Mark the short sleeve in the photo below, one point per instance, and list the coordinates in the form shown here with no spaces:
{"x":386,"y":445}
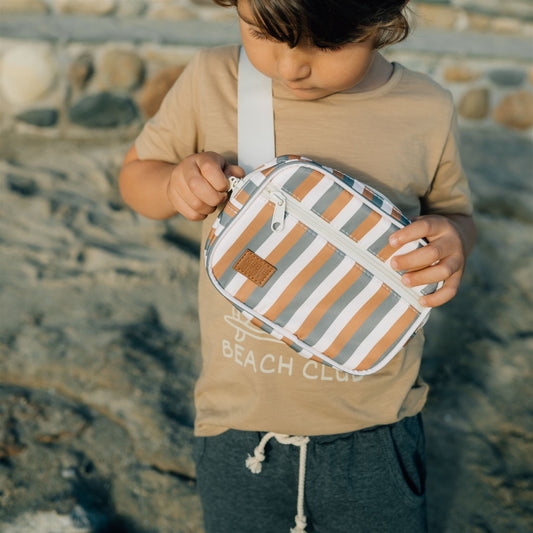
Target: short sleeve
{"x":172,"y":133}
{"x":449,"y":192}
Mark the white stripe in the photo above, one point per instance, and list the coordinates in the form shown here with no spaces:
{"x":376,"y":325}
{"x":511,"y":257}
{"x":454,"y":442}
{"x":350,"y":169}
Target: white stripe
{"x":318,"y":294}
{"x":347,"y":212}
{"x":344,"y":317}
{"x":406,"y":248}
{"x":316,"y":193}
{"x":375,"y":233}
{"x":284,"y":175}
{"x":381,"y":329}
{"x":234,"y":232}
{"x":296,"y":267}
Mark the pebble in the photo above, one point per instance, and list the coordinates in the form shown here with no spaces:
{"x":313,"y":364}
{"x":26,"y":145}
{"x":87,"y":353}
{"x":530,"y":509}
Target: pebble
{"x":120,"y":69}
{"x":103,"y":110}
{"x":80,"y":71}
{"x":460,"y":74}
{"x":437,"y":16}
{"x":156,"y":88}
{"x":85,"y":7}
{"x":23,"y":6}
{"x":516,"y":110}
{"x":507,"y":77}
{"x":43,"y":118}
{"x":27,"y":72}
{"x":171,"y":11}
{"x":474,"y":104}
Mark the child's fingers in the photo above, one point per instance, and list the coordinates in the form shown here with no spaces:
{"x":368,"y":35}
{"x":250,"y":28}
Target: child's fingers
{"x":442,"y":271}
{"x":234,"y":170}
{"x":423,"y":227}
{"x":444,"y":294}
{"x":211,"y":166}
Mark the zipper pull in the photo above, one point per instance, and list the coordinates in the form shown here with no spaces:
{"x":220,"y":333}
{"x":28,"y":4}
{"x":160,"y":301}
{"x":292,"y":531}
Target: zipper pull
{"x":280,"y":207}
{"x":235,"y":184}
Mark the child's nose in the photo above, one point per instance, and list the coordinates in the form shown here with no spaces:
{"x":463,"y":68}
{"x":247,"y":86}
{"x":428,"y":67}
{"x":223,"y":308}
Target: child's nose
{"x":293,"y":64}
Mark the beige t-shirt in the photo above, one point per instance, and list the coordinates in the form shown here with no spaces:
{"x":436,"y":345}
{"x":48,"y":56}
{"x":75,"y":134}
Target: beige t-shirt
{"x":400,"y":139}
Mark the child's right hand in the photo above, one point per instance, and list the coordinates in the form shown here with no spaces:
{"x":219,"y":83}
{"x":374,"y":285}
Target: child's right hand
{"x":199,"y":184}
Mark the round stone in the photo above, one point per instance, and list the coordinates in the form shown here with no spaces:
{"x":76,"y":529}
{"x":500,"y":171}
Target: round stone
{"x":516,"y":110}
{"x":460,"y":74}
{"x":80,"y":71}
{"x":507,"y":77}
{"x":23,"y":6}
{"x":156,"y":88}
{"x":43,"y":118}
{"x":120,"y":69}
{"x":103,"y":110}
{"x":170,"y":12}
{"x":84,"y":7}
{"x":474,"y":104}
{"x":27,"y":72}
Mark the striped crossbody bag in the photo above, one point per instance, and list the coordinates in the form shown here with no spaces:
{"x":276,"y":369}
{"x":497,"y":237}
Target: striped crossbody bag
{"x":302,"y":251}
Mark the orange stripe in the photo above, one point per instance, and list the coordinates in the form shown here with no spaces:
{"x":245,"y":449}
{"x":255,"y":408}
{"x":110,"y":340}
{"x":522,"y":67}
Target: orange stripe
{"x":275,"y":255}
{"x":246,"y":234}
{"x":355,"y":322}
{"x":307,"y":184}
{"x":230,"y":210}
{"x":388,"y":340}
{"x":329,"y":299}
{"x":368,"y":194}
{"x":368,"y":223}
{"x":337,"y":205}
{"x":267,"y":171}
{"x":396,"y":214}
{"x":242,"y":196}
{"x":299,"y":281}
{"x":211,"y":236}
{"x":256,"y":322}
{"x":386,"y":252}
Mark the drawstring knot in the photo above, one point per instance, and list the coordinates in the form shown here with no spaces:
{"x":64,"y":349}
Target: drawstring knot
{"x":254,"y":464}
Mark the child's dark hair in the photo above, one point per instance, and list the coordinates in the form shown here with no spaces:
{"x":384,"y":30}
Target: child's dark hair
{"x":329,"y":23}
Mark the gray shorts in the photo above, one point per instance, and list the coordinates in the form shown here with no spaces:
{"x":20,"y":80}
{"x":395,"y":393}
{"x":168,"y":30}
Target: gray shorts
{"x":367,"y":481}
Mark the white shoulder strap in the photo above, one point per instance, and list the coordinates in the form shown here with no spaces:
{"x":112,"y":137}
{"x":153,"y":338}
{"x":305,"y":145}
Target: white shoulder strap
{"x":256,"y":142}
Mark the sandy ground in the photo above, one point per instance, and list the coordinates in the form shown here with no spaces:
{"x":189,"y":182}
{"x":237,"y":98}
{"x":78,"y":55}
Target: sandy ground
{"x":99,"y":351}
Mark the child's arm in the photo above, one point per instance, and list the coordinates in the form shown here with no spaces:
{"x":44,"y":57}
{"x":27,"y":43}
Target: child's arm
{"x":194,"y":187}
{"x":451,"y":239}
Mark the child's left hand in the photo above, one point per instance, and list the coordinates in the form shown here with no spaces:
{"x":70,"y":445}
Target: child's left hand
{"x":450,"y":240}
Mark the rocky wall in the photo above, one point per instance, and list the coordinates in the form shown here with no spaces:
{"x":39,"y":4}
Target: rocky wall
{"x":94,"y":85}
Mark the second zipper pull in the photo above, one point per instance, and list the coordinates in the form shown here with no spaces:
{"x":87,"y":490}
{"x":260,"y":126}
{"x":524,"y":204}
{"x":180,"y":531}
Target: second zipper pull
{"x":280,"y":207}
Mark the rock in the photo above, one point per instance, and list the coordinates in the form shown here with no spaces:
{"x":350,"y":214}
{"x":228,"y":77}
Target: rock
{"x":43,"y":118}
{"x":120,"y":69}
{"x":170,"y":12}
{"x":506,"y":25}
{"x":23,"y":6}
{"x":438,"y":16}
{"x":507,"y":77}
{"x":27,"y":72}
{"x":80,"y":71}
{"x":155,"y":89}
{"x":474,"y":104}
{"x":460,"y":74}
{"x":130,"y":8}
{"x":103,"y":110}
{"x":83,"y":7}
{"x":515,"y":110}
{"x":479,"y":22}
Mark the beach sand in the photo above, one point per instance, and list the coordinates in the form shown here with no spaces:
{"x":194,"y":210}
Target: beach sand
{"x":99,"y":351}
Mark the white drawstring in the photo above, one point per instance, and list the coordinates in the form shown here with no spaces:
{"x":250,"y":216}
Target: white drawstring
{"x":254,"y":464}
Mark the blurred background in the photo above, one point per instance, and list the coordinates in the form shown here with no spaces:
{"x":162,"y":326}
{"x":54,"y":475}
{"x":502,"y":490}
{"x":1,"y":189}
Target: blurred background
{"x":99,"y":342}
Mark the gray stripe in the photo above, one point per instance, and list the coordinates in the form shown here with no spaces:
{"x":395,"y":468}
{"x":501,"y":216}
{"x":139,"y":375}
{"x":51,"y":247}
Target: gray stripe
{"x":366,"y":328}
{"x":296,"y":179}
{"x":337,"y":307}
{"x":253,"y":244}
{"x":310,"y":286}
{"x":250,"y":187}
{"x":327,"y":199}
{"x":281,"y":267}
{"x":356,"y":220}
{"x":429,"y":289}
{"x":382,"y":241}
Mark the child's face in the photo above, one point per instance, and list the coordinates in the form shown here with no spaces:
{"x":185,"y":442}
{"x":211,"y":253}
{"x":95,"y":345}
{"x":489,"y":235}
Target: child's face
{"x":307,"y":71}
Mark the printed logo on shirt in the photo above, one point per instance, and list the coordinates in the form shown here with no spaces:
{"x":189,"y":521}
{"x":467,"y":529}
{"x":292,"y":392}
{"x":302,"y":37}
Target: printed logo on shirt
{"x":272,"y":363}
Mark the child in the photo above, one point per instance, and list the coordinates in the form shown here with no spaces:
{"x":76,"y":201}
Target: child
{"x":356,"y":463}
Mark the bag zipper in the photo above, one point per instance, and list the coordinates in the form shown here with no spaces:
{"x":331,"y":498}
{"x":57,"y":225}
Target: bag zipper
{"x":284,"y":203}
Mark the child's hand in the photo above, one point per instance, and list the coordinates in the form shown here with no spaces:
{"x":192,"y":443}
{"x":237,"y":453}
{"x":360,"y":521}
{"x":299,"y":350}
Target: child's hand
{"x":199,"y":184}
{"x":443,"y":259}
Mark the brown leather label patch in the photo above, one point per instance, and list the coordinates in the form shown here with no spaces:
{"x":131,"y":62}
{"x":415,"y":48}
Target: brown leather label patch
{"x":254,"y":268}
